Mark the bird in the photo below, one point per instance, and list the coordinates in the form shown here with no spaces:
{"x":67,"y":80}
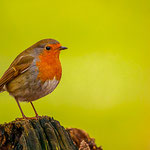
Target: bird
{"x":34,"y":73}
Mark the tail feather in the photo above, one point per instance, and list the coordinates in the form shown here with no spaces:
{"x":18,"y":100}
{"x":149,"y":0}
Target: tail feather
{"x":2,"y":89}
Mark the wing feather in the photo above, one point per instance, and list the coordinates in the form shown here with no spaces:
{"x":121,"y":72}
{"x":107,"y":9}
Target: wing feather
{"x":19,"y":66}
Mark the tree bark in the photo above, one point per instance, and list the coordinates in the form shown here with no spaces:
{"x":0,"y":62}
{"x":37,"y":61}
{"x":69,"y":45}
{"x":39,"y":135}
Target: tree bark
{"x":44,"y":133}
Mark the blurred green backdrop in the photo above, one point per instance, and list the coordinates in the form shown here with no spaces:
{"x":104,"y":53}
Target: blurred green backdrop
{"x":106,"y":70}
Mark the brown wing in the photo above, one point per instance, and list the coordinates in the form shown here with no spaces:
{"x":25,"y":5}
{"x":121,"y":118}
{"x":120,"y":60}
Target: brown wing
{"x":19,"y":65}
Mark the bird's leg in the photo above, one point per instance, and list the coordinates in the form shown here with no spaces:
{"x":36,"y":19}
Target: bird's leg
{"x":24,"y":117}
{"x":37,"y":116}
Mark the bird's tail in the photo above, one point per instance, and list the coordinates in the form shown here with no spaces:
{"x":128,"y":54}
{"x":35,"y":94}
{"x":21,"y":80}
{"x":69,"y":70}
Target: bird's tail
{"x":2,"y":89}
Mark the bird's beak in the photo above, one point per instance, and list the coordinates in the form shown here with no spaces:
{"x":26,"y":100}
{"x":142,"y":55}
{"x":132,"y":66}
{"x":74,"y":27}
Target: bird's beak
{"x":62,"y":48}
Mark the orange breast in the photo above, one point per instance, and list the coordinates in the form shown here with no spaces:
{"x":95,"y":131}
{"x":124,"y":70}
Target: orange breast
{"x":49,"y":66}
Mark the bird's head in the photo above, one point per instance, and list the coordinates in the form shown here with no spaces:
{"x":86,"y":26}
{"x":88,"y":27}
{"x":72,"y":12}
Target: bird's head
{"x":47,"y":54}
{"x":47,"y":46}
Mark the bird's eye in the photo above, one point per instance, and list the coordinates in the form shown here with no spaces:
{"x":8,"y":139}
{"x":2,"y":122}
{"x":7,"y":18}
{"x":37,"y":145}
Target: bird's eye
{"x":48,"y":47}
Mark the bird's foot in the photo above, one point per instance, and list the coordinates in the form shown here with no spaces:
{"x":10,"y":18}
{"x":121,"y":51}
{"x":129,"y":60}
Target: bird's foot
{"x":28,"y":118}
{"x":37,"y":116}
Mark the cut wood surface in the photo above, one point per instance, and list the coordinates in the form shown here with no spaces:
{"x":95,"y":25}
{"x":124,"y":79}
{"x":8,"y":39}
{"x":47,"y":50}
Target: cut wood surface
{"x":44,"y":133}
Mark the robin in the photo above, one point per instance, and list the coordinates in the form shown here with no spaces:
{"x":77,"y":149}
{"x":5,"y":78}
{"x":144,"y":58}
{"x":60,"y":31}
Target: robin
{"x":34,"y":73}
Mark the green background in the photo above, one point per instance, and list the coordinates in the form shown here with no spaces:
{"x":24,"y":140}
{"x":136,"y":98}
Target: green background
{"x":105,"y":87}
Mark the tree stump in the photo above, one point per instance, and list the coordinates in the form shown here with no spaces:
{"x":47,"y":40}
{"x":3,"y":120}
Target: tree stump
{"x":44,"y":133}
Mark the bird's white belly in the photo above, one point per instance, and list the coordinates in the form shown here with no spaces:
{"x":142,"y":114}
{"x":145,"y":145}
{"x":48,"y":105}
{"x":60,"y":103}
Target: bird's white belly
{"x":39,"y":89}
{"x":47,"y":87}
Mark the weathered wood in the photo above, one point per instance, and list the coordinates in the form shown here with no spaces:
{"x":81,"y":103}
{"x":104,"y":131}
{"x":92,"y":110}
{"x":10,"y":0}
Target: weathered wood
{"x":82,"y":140}
{"x":44,"y":133}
